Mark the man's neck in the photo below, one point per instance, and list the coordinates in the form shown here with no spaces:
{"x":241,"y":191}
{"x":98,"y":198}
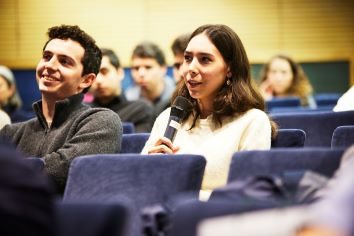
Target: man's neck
{"x":48,"y":108}
{"x":154,"y":93}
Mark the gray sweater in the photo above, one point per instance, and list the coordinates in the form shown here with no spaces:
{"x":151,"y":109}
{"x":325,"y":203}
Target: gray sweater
{"x":76,"y":130}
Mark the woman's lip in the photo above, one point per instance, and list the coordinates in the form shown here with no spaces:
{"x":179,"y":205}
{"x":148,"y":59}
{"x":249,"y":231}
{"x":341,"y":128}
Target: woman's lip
{"x":193,"y":83}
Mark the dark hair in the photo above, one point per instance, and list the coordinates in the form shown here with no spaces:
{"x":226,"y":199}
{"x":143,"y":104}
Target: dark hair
{"x":112,"y":56}
{"x":92,"y":57}
{"x":180,"y":44}
{"x":241,"y":94}
{"x":300,"y":85}
{"x":149,"y":50}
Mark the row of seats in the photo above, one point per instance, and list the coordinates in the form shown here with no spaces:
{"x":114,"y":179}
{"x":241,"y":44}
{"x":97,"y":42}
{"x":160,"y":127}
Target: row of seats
{"x":138,"y":182}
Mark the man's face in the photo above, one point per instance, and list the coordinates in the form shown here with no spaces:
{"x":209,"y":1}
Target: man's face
{"x":147,"y":73}
{"x":107,"y":83}
{"x":59,"y":72}
{"x":177,"y":67}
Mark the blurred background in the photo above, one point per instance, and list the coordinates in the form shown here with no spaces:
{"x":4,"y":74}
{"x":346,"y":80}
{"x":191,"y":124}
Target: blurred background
{"x":319,"y":33}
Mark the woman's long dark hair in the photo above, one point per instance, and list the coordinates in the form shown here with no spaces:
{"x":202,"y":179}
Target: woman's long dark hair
{"x":241,"y":94}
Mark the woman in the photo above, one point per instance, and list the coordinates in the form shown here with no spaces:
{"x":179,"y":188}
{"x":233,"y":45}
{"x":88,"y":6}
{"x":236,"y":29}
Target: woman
{"x":10,"y":100}
{"x":282,"y":77}
{"x":228,"y":112}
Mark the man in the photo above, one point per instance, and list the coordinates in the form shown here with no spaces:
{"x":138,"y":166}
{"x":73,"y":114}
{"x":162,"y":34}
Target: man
{"x":178,"y":47}
{"x":65,"y":128}
{"x":149,"y":74}
{"x":107,"y":92}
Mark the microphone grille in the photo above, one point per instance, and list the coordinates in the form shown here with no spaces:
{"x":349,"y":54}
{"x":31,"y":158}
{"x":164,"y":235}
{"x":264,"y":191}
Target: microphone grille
{"x":180,"y":107}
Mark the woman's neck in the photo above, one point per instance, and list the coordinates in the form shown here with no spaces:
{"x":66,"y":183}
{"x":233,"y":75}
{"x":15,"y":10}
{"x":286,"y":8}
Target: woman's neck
{"x":205,"y":108}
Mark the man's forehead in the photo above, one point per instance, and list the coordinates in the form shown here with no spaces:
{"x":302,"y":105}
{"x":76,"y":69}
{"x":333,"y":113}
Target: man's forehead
{"x":145,"y":61}
{"x":67,"y":47}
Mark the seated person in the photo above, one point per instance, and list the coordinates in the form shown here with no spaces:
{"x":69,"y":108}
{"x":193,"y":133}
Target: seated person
{"x":65,"y":128}
{"x":10,"y":100}
{"x":107,"y":92}
{"x":149,"y":74}
{"x":282,"y":77}
{"x":26,"y":196}
{"x":178,"y":47}
{"x":4,"y":119}
{"x":346,"y":101}
{"x":331,"y":215}
{"x":227,"y":112}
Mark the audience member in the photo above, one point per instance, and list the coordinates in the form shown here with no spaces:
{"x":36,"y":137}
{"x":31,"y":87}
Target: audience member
{"x":228,"y":111}
{"x":149,"y":74}
{"x":108,"y":93}
{"x":178,"y":47}
{"x":283,"y":77}
{"x":346,"y":101}
{"x":331,"y":215}
{"x":10,"y":100}
{"x":65,"y":128}
{"x":26,"y":196}
{"x":4,"y":119}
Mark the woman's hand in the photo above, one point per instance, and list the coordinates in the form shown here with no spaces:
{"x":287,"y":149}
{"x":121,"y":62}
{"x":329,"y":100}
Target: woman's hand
{"x":266,"y":90}
{"x":163,"y":145}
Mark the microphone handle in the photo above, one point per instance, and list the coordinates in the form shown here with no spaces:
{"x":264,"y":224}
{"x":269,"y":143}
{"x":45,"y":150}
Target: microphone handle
{"x":172,"y":127}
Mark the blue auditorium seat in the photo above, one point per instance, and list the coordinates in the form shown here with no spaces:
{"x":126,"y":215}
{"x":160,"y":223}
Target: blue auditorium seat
{"x":134,"y":143}
{"x":289,"y":138}
{"x":343,"y":136}
{"x":318,"y":126}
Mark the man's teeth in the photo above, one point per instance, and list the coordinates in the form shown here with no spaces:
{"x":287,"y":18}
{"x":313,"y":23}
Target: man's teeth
{"x":49,"y":78}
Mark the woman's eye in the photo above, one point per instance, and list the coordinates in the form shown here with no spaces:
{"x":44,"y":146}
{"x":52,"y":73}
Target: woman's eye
{"x":187,"y":58}
{"x":205,"y":59}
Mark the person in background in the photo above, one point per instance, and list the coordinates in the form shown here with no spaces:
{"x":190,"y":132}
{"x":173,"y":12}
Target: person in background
{"x":149,"y":74}
{"x":346,"y":101}
{"x":26,"y":196}
{"x":4,"y":119}
{"x":178,"y":47}
{"x":283,"y":77}
{"x":64,"y":127}
{"x":107,"y":92}
{"x":10,"y":100}
{"x":228,"y":111}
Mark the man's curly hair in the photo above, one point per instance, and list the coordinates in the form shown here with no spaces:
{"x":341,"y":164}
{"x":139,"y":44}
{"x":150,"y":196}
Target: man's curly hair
{"x":92,"y":57}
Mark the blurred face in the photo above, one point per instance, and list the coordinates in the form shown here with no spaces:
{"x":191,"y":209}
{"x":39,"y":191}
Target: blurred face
{"x":6,"y":91}
{"x":177,"y":67}
{"x":147,"y":73}
{"x":280,"y":76}
{"x":59,"y":72}
{"x":204,"y":69}
{"x":107,"y":83}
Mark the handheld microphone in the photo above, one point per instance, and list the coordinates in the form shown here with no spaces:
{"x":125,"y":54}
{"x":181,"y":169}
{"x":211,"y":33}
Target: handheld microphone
{"x":179,"y":110}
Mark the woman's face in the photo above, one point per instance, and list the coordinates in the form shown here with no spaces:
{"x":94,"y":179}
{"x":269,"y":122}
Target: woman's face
{"x":280,"y":76}
{"x":204,"y":69}
{"x":6,"y":91}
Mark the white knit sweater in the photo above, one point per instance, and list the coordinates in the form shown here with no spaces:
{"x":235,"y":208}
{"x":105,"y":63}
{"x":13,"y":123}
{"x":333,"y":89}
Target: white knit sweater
{"x":249,"y":132}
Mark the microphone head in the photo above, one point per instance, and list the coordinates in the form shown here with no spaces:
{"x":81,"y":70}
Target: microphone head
{"x":180,"y":107}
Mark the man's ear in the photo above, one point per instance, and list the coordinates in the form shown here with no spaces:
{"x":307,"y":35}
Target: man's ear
{"x":121,"y":73}
{"x":87,"y":81}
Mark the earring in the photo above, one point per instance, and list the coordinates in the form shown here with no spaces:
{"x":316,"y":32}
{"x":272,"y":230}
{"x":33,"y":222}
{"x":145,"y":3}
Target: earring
{"x":228,"y":82}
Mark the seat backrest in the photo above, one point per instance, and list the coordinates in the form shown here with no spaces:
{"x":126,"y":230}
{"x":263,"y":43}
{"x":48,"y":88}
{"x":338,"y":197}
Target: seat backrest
{"x":35,"y":162}
{"x":90,"y":219}
{"x":128,"y":128}
{"x":283,"y":102}
{"x":318,"y":126}
{"x":326,"y":99}
{"x":289,"y":138}
{"x":145,"y":179}
{"x":134,"y":143}
{"x":343,"y":136}
{"x":276,"y":161}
